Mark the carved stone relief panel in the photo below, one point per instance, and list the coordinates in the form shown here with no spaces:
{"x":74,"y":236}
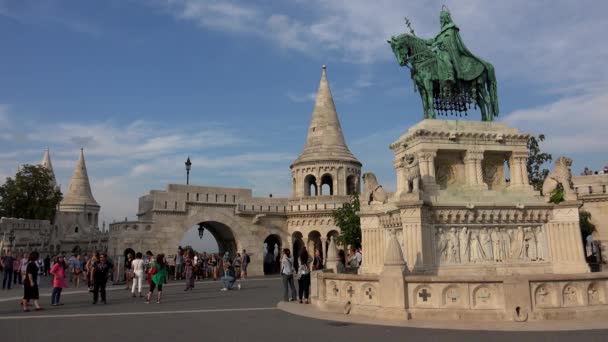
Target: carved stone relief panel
{"x":571,"y":295}
{"x":489,"y":244}
{"x":369,"y":294}
{"x":596,"y":294}
{"x":332,"y":291}
{"x":486,"y":296}
{"x":424,"y":296}
{"x":544,"y":295}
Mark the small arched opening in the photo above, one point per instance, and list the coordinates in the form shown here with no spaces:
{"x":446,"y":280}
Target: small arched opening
{"x":298,"y":245}
{"x":293,"y":187}
{"x":327,"y":184}
{"x":76,"y":229}
{"x":352,"y":185}
{"x":310,"y":186}
{"x":314,"y":244}
{"x":272,"y":254}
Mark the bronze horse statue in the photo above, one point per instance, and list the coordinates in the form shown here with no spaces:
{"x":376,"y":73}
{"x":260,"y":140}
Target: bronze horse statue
{"x":443,"y":95}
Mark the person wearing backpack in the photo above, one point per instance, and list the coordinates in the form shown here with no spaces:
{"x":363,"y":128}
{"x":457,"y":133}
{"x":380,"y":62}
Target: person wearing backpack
{"x":159,"y":274}
{"x":287,"y":272}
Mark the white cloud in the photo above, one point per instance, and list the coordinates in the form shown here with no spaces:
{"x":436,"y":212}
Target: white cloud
{"x":572,"y":124}
{"x":301,"y":98}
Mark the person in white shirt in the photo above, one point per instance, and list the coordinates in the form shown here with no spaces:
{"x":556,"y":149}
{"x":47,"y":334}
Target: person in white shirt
{"x":287,"y":271}
{"x":137,"y":267}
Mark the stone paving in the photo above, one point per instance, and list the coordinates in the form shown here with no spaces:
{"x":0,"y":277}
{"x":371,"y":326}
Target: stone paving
{"x":250,"y":314}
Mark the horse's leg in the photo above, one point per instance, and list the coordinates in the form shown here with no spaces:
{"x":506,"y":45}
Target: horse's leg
{"x":423,"y":98}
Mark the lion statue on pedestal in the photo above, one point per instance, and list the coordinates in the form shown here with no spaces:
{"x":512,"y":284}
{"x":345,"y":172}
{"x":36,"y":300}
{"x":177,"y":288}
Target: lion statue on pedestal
{"x":560,"y":174}
{"x":410,"y":162}
{"x":374,"y":193}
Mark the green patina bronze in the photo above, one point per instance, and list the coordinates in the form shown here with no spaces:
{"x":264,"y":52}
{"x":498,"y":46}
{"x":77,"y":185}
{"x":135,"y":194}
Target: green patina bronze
{"x":448,"y":76}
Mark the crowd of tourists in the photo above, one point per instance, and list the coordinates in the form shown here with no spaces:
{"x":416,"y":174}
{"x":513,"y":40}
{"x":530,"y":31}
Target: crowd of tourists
{"x":299,"y":268}
{"x":27,"y":270}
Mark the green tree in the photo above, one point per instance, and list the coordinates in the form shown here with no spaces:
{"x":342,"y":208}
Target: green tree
{"x":31,"y":194}
{"x":536,"y":160}
{"x":347,"y":219}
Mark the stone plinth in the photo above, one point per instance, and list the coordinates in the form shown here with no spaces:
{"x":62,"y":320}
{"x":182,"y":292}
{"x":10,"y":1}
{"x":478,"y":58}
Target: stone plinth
{"x":466,"y":218}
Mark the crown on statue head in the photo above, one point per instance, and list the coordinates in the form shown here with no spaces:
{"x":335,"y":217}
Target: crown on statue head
{"x":445,"y":12}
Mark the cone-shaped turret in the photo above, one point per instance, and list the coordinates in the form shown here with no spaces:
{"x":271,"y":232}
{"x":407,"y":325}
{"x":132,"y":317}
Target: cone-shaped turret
{"x":46,"y":163}
{"x":325,"y":140}
{"x":79,"y":192}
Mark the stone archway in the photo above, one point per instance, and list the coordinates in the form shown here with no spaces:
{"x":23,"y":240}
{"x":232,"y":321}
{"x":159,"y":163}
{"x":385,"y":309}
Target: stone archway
{"x":223,"y":235}
{"x":272,"y":254}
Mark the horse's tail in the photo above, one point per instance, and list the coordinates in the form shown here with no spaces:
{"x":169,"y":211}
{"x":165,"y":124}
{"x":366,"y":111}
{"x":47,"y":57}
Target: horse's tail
{"x":492,"y":88}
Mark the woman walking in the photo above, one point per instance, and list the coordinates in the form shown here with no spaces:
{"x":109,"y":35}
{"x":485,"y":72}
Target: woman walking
{"x":304,"y":276}
{"x":287,"y":271}
{"x":213,"y":266}
{"x":159,"y":274}
{"x":30,"y":283}
{"x":128,"y":270}
{"x":188,"y":271}
{"x":137,"y":266}
{"x":59,"y":282}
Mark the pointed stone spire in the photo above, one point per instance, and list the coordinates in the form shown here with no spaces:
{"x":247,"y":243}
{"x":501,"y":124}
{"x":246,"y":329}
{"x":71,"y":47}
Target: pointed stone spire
{"x":79,"y":192}
{"x":46,"y":163}
{"x":332,"y":260}
{"x":325,"y":140}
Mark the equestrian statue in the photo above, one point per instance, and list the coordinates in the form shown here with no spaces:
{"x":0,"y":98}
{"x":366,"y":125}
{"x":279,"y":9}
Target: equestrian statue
{"x":449,"y":78}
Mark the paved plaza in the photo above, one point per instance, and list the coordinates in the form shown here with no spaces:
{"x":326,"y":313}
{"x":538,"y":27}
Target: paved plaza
{"x":250,"y":314}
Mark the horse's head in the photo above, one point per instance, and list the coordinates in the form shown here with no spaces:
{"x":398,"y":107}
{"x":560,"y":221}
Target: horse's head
{"x":400,"y":48}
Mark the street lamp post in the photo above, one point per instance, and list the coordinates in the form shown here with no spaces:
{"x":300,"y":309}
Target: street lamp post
{"x":188,"y":167}
{"x":11,"y":239}
{"x":201,"y":230}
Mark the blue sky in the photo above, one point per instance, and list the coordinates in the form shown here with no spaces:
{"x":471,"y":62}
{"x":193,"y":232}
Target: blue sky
{"x":143,"y":84}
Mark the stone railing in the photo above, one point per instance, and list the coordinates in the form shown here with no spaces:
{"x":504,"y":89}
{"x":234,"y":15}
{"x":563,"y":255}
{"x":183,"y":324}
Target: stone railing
{"x":511,"y":298}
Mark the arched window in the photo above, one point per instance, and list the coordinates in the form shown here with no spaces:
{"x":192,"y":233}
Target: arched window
{"x":327,"y":184}
{"x":75,"y":229}
{"x":310,"y":186}
{"x":90,"y":218}
{"x":293,"y":186}
{"x":352,"y":184}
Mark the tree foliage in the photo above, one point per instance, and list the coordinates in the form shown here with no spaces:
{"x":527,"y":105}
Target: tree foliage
{"x":557,"y":195}
{"x":536,"y":160}
{"x":347,"y":219}
{"x":31,"y":194}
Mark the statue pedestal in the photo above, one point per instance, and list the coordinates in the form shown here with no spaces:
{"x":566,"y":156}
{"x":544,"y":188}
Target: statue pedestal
{"x":465,"y":217}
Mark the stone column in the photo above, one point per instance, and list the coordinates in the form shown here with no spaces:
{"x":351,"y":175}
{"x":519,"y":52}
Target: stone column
{"x":392,"y":283}
{"x":473,"y":170}
{"x":564,"y":240}
{"x":401,"y":176}
{"x":332,"y":256}
{"x":426,"y":161}
{"x":518,"y":170}
{"x":324,"y":247}
{"x":372,"y":242}
{"x":319,"y":191}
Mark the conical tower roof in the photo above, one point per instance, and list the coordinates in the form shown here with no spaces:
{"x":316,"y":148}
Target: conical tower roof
{"x":79,"y":191}
{"x":46,"y":163}
{"x":325,"y":140}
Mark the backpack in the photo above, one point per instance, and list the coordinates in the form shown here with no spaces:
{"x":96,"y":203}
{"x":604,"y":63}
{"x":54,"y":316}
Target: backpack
{"x":247,"y":259}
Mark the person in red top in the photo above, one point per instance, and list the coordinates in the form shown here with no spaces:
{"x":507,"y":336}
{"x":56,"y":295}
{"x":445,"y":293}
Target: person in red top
{"x":59,"y":282}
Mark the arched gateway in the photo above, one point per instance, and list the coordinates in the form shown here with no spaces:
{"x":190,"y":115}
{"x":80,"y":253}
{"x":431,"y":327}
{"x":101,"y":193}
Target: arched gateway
{"x":235,"y":218}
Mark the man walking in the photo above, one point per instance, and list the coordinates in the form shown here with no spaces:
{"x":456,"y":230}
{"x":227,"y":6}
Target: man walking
{"x":179,"y":262}
{"x":8,"y":270}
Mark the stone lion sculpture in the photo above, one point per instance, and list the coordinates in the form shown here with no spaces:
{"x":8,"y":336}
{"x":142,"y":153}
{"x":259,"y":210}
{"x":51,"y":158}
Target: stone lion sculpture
{"x":410,"y":162}
{"x":560,"y":174}
{"x":374,"y":193}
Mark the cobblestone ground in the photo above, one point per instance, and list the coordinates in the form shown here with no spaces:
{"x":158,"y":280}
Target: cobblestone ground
{"x":208,"y":314}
